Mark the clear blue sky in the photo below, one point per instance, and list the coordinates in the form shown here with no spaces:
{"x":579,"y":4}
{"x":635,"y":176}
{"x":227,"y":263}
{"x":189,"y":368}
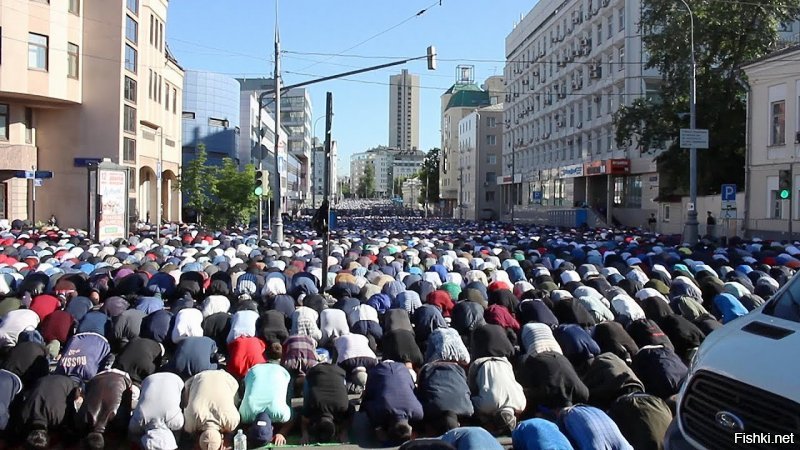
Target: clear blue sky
{"x":236,"y":37}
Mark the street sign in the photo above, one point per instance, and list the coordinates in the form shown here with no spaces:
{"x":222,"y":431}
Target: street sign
{"x":728,"y":211}
{"x":694,"y":138}
{"x":43,"y":174}
{"x":690,"y":206}
{"x":38,"y":182}
{"x":30,"y":174}
{"x":537,"y":197}
{"x":728,"y":192}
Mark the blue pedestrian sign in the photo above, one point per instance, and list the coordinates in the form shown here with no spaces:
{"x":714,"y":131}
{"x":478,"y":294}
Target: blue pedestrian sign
{"x":536,"y":196}
{"x":728,"y":192}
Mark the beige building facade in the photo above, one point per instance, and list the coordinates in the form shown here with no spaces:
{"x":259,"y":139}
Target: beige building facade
{"x":480,"y":157}
{"x":773,"y":143}
{"x":84,"y":80}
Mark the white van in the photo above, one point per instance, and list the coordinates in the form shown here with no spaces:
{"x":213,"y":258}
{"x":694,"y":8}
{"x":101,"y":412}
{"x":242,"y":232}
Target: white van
{"x":743,"y":387}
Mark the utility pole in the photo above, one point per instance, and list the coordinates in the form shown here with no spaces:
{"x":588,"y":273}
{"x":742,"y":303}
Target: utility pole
{"x":327,"y":189}
{"x":277,"y":229}
{"x":513,"y":179}
{"x":691,"y":218}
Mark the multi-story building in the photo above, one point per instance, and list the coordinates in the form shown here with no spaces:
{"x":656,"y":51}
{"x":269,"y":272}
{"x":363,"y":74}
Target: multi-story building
{"x":296,"y":115}
{"x":569,"y":68}
{"x":773,"y":143}
{"x":72,"y":89}
{"x":457,"y":102}
{"x":211,"y":116}
{"x":389,"y":164}
{"x":404,"y":111}
{"x":318,"y":172}
{"x":480,"y":145}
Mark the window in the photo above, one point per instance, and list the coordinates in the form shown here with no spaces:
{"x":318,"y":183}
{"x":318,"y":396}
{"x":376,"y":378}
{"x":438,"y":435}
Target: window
{"x":489,"y":196}
{"x":621,"y":16}
{"x":152,"y":27}
{"x":217,"y":122}
{"x":129,"y":123}
{"x":491,"y":122}
{"x":3,"y":122}
{"x":160,"y":36}
{"x":75,"y":7}
{"x":610,"y":22}
{"x":133,"y":6}
{"x":174,"y":100}
{"x":492,"y":159}
{"x":28,"y":125}
{"x":150,"y":85}
{"x":130,"y":58}
{"x":37,"y":51}
{"x":621,"y":58}
{"x":491,"y":139}
{"x":130,"y":90}
{"x":73,"y":60}
{"x":665,"y":216}
{"x":129,"y":150}
{"x":777,"y":135}
{"x":131,"y":30}
{"x":187,"y":115}
{"x":166,"y":96}
{"x":158,"y":90}
{"x":776,"y":211}
{"x":491,"y":177}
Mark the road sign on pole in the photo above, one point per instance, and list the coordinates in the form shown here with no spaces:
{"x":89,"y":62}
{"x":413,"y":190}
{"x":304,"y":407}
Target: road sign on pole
{"x":728,"y":192}
{"x":694,"y":138}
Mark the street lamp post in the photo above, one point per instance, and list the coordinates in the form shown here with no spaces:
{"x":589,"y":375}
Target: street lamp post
{"x":691,"y":218}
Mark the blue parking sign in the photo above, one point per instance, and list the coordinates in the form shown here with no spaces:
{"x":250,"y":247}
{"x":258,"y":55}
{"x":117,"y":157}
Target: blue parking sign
{"x":728,"y":192}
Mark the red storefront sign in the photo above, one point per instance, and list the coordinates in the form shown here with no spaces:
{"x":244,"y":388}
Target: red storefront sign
{"x":607,"y":167}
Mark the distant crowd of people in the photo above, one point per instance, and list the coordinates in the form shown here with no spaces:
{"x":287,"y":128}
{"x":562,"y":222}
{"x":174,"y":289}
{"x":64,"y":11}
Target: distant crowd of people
{"x":437,"y":333}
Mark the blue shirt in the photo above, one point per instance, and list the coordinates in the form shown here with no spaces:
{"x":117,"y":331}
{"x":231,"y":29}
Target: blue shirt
{"x":389,"y":395}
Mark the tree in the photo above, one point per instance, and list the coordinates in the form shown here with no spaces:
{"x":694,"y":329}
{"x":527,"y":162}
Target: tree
{"x":234,"y":198}
{"x":429,"y":176}
{"x":366,"y":185}
{"x":727,"y":35}
{"x":196,"y":182}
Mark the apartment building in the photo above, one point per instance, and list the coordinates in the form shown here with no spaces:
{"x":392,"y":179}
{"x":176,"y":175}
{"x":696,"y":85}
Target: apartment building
{"x":480,"y":145}
{"x":773,"y":143}
{"x":389,"y":164}
{"x":72,"y":85}
{"x":318,"y":171}
{"x":211,"y":116}
{"x":460,"y":100}
{"x":296,"y":113}
{"x":569,"y":67}
{"x":404,"y":111}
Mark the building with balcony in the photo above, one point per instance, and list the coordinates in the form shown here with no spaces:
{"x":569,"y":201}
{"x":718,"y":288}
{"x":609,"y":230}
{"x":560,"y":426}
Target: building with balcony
{"x":773,"y":143}
{"x":463,"y":97}
{"x":74,"y":92}
{"x":404,"y":111}
{"x":480,"y":145}
{"x":296,"y":113}
{"x":568,"y":70}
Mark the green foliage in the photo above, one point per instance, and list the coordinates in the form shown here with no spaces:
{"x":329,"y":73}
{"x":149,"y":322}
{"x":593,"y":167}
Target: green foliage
{"x":727,"y":35}
{"x":234,"y":200}
{"x":196,"y":182}
{"x":366,"y":185}
{"x":429,"y":176}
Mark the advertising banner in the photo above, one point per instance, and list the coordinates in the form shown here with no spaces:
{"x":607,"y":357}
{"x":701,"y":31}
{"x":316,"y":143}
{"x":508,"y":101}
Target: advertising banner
{"x":112,"y":189}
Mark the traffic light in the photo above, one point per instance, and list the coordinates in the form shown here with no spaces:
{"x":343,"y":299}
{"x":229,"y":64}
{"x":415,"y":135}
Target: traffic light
{"x":431,"y":58}
{"x":785,"y":184}
{"x":262,"y":179}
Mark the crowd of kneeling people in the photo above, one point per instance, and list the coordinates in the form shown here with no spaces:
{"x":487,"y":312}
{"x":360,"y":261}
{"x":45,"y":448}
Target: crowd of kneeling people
{"x":158,"y":343}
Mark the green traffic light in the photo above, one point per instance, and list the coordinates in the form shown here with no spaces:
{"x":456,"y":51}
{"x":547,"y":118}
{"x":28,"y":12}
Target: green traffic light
{"x":259,"y":191}
{"x":784,"y":194}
